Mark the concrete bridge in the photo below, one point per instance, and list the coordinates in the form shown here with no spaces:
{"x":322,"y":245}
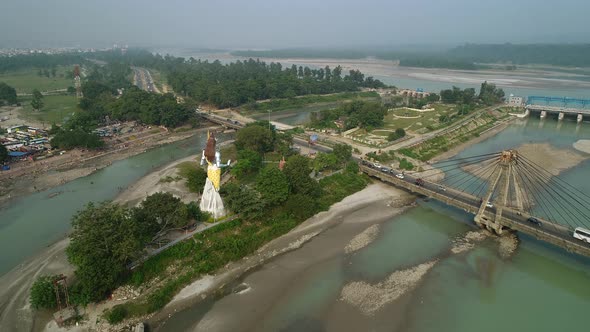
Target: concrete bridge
{"x":510,"y":219}
{"x":558,"y":105}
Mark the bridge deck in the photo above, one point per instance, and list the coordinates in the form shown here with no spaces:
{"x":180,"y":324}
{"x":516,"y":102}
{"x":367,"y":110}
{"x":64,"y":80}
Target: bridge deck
{"x":553,"y":233}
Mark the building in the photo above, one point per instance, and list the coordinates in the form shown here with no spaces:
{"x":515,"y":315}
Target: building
{"x":515,"y":101}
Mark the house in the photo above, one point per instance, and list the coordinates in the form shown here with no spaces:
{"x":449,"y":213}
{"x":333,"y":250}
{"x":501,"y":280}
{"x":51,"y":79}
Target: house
{"x":515,"y":101}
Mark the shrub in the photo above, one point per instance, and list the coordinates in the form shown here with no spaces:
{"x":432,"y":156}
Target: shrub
{"x":43,"y":293}
{"x":116,"y":314}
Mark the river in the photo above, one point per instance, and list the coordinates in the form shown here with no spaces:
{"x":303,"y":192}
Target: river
{"x":538,"y":288}
{"x":33,"y":222}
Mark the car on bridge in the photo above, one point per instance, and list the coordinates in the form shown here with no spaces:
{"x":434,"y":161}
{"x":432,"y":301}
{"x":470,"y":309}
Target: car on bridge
{"x":582,"y":234}
{"x":419,"y":182}
{"x":534,"y":221}
{"x":489,"y":204}
{"x":399,"y":176}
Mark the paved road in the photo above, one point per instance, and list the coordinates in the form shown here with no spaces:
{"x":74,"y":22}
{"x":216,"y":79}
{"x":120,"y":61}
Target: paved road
{"x":143,"y":80}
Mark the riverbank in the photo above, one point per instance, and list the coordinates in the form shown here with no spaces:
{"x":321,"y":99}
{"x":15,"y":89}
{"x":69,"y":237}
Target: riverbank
{"x":489,"y":133}
{"x":76,"y":164}
{"x":341,"y":223}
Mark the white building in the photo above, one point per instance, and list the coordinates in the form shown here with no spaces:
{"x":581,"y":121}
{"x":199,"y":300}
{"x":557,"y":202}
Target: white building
{"x":515,"y":101}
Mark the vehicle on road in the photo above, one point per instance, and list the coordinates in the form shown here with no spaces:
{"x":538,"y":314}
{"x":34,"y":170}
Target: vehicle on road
{"x":442,"y":188}
{"x":377,"y":166}
{"x":399,"y":176}
{"x":489,"y":204}
{"x":582,"y":234}
{"x":385,"y":169}
{"x":534,"y":221}
{"x":419,"y":182}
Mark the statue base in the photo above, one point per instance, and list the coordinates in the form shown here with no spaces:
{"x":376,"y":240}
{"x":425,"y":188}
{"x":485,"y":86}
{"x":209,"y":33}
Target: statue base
{"x":211,"y":201}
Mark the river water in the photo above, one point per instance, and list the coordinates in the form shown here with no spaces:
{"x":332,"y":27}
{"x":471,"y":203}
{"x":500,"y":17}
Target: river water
{"x":33,"y":222}
{"x":539,"y":287}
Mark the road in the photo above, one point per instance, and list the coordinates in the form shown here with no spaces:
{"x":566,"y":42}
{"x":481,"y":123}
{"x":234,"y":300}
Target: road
{"x":143,"y":80}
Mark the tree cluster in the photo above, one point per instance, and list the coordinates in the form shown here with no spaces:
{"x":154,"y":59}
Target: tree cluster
{"x":458,"y":96}
{"x":75,"y":138}
{"x":489,"y":94}
{"x":107,"y":237}
{"x":244,"y":81}
{"x":356,"y":114}
{"x":37,"y":101}
{"x":3,"y":153}
{"x":7,"y":94}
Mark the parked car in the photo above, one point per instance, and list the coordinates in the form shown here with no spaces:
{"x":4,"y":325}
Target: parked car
{"x":399,"y":176}
{"x":385,"y":169}
{"x":442,"y":188}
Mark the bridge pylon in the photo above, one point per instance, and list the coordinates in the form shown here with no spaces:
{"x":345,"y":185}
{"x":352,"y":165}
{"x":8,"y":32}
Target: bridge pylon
{"x":502,"y":180}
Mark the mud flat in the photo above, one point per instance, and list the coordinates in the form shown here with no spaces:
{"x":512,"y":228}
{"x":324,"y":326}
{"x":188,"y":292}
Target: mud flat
{"x":582,"y":145}
{"x":285,"y":262}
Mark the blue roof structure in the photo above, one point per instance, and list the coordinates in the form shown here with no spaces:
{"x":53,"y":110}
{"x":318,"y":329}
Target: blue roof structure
{"x":17,"y":154}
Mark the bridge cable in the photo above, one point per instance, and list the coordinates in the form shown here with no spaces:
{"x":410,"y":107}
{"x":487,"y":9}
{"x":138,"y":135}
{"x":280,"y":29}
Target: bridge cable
{"x":552,"y":178}
{"x":542,"y":200}
{"x":528,"y":188}
{"x":557,"y":178}
{"x":466,"y":158}
{"x":566,"y":203}
{"x":471,"y":177}
{"x":455,"y":167}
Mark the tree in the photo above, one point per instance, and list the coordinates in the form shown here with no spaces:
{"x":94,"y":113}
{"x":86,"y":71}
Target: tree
{"x":103,"y":241}
{"x":297,"y":170}
{"x":243,"y":200}
{"x":489,"y":94}
{"x":43,"y":293}
{"x":273,"y":186}
{"x":37,"y":101}
{"x":3,"y":153}
{"x":160,"y":212}
{"x":195,"y":179}
{"x":325,"y":161}
{"x":397,"y":134}
{"x":248,"y":162}
{"x":256,"y":138}
{"x":7,"y":94}
{"x":343,"y":152}
{"x":301,"y":206}
{"x":432,"y":97}
{"x":68,"y":139}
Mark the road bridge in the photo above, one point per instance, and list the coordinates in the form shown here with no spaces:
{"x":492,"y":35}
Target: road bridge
{"x":499,"y":214}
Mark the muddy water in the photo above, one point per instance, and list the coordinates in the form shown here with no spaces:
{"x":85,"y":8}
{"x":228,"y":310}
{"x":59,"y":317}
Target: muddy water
{"x":538,"y":287}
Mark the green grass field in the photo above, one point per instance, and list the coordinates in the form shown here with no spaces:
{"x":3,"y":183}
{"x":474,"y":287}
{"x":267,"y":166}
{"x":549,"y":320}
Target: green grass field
{"x":26,"y":80}
{"x":56,"y":108}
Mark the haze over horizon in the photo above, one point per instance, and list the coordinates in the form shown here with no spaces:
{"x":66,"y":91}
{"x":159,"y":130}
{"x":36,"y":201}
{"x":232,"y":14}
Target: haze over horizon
{"x":283,"y":24}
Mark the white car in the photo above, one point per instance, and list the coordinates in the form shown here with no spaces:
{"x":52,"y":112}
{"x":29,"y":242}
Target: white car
{"x":489,"y":204}
{"x":399,"y":176}
{"x":582,"y":234}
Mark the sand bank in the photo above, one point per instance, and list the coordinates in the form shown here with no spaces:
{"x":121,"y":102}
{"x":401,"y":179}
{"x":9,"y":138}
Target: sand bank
{"x":582,"y":145}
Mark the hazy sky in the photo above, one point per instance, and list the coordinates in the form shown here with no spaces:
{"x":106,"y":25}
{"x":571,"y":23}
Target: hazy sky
{"x":281,"y":23}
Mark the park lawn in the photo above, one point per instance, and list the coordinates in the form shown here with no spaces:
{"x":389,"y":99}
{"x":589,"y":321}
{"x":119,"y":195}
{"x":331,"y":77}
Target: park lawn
{"x":26,"y":80}
{"x":56,"y":108}
{"x":303,"y":103}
